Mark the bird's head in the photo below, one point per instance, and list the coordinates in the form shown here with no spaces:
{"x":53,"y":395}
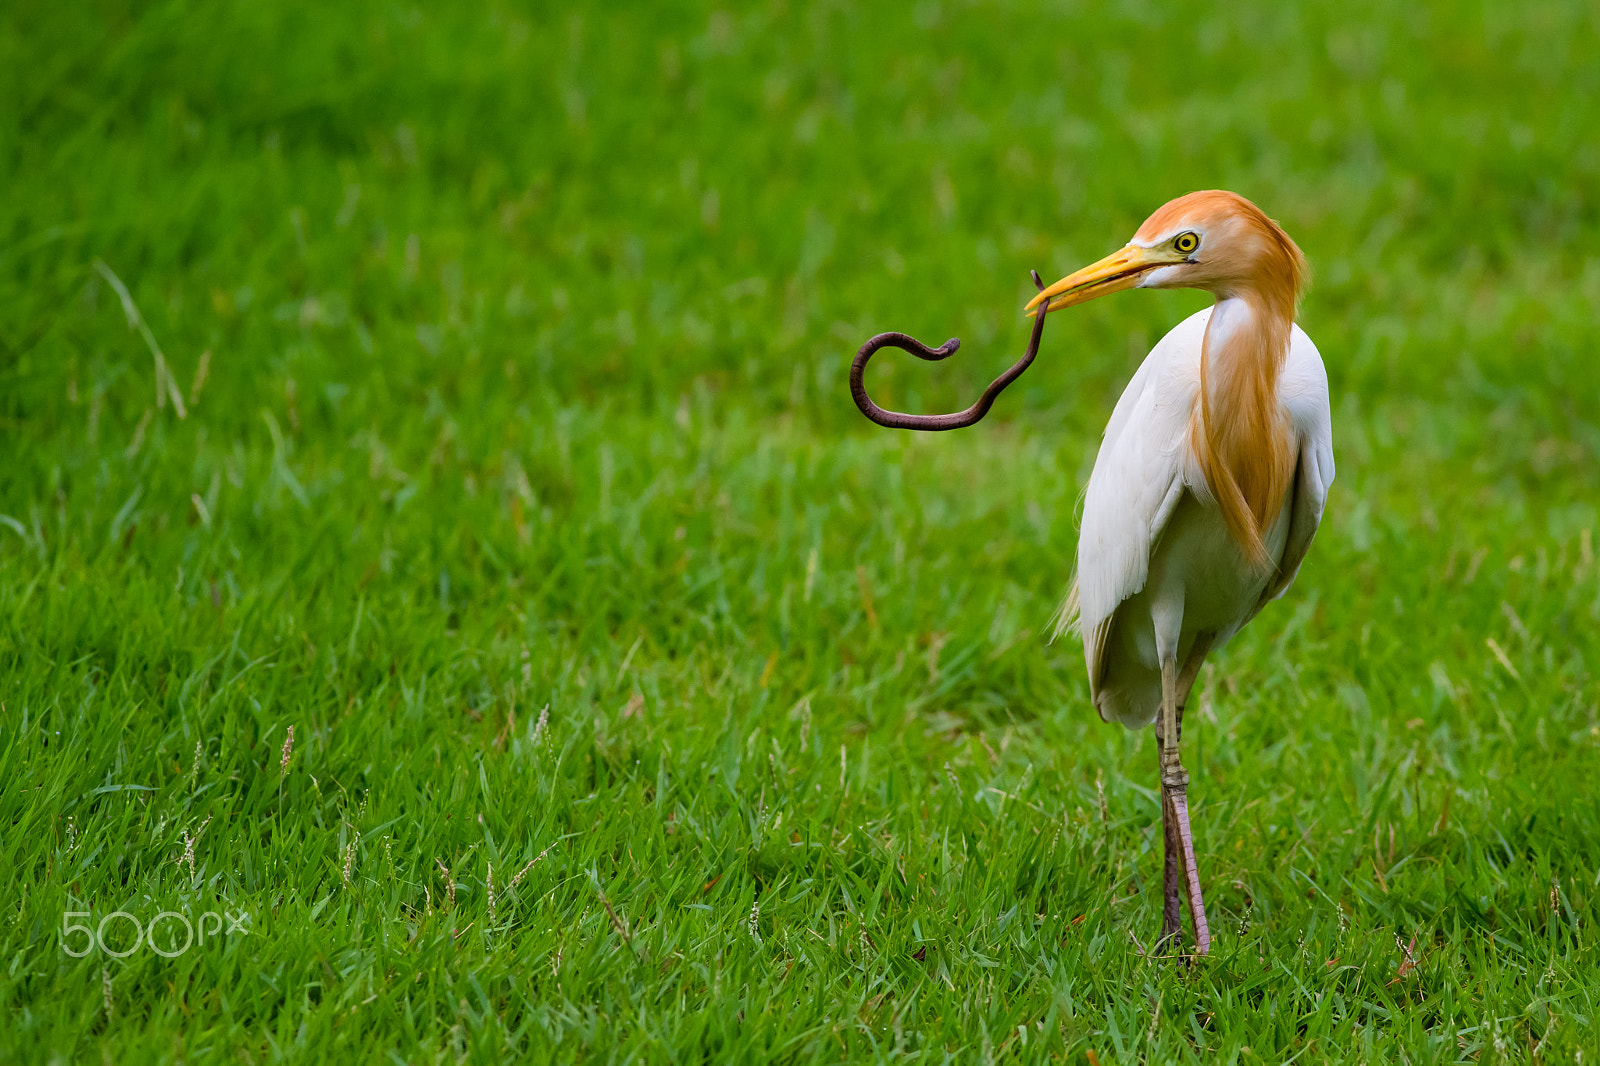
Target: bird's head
{"x":1212,"y":240}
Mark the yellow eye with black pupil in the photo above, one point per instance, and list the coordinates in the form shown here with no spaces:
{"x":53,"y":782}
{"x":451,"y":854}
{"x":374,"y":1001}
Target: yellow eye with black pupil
{"x":1185,"y":242}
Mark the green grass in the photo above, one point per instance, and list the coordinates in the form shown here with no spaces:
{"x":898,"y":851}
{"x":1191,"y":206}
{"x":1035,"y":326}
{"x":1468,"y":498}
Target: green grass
{"x":525,"y":336}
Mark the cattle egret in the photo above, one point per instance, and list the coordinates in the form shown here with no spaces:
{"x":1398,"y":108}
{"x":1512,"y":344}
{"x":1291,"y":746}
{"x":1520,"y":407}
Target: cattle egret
{"x":1208,"y":486}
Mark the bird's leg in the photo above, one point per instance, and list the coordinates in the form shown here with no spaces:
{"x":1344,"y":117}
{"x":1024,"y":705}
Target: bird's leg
{"x":1172,"y":868}
{"x":1179,"y":841}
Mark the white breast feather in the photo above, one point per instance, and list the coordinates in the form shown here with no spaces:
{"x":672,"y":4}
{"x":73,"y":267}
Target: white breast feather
{"x":1144,"y":464}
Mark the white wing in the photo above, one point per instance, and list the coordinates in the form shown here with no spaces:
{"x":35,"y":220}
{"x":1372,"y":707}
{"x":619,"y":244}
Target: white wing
{"x":1304,"y":391}
{"x":1138,"y":478}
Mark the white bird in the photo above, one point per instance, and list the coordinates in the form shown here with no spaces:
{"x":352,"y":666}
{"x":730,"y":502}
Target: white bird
{"x":1208,"y":486}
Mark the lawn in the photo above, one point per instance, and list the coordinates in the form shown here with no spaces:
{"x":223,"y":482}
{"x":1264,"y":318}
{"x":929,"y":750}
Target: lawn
{"x":440,"y":561}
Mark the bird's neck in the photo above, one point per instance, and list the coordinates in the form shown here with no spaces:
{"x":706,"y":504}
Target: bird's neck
{"x":1240,"y":432}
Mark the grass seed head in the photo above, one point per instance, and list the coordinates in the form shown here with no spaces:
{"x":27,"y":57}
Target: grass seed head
{"x":350,"y":857}
{"x":616,"y":922}
{"x":188,"y":846}
{"x":449,"y":884}
{"x":542,"y":727}
{"x":288,"y":753}
{"x":515,"y":881}
{"x":803,"y":711}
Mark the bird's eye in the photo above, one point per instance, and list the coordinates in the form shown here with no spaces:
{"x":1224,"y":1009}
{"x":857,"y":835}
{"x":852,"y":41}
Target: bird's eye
{"x":1186,"y":242}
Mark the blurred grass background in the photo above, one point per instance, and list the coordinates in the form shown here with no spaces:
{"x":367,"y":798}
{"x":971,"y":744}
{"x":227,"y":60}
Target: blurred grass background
{"x":511,"y":348}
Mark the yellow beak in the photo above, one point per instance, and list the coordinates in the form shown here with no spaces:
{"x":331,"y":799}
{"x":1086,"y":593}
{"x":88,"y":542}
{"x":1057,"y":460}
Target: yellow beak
{"x":1122,"y":269}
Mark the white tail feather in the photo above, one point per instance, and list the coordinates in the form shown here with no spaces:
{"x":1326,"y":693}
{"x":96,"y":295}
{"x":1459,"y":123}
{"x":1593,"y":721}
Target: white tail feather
{"x":1067,"y":617}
